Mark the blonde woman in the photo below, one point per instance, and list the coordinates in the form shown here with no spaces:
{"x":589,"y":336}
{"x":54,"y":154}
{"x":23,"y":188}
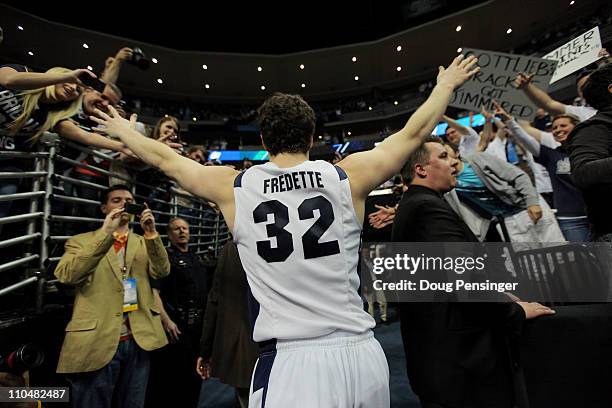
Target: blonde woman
{"x":32,"y":103}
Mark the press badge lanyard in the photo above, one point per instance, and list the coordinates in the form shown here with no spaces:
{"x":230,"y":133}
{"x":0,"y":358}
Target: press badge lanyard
{"x":130,"y":294}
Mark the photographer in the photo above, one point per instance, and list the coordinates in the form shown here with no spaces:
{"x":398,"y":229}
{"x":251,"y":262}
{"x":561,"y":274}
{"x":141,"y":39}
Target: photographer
{"x":115,"y":321}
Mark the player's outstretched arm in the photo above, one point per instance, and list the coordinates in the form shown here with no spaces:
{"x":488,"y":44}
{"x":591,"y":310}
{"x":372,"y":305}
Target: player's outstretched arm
{"x":367,"y":170}
{"x":213,"y":183}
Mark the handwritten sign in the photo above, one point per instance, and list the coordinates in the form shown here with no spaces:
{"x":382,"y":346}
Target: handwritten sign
{"x":495,"y":81}
{"x":575,"y":54}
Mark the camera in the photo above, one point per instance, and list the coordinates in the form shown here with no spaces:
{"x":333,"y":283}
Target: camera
{"x":139,"y":59}
{"x":135,"y":209}
{"x":94,"y":83}
{"x":25,"y":358}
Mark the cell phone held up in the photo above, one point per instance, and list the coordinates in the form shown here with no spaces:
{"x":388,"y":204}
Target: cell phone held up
{"x":94,"y":83}
{"x":135,"y":209}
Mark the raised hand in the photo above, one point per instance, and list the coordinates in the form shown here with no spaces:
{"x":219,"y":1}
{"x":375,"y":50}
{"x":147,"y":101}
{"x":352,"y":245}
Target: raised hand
{"x":522,"y":80}
{"x":487,"y":115}
{"x":112,"y":220}
{"x":458,"y":72}
{"x":505,"y":116}
{"x":124,"y":54}
{"x":147,"y":222}
{"x":74,"y":77}
{"x":111,"y":123}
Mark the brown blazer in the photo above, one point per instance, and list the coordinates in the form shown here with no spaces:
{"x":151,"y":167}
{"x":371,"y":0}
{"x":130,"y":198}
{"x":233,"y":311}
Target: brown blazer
{"x":226,"y":335}
{"x":91,"y":264}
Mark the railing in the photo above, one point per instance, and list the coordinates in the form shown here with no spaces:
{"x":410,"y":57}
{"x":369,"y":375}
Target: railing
{"x":53,"y":212}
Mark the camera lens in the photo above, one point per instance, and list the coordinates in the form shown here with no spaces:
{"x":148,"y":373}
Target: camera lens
{"x":23,"y":359}
{"x":139,"y":59}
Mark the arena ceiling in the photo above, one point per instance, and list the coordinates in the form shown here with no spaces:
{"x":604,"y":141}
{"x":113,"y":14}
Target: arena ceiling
{"x":343,"y":49}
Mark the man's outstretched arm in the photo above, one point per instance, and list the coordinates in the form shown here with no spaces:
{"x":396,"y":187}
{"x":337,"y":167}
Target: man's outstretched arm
{"x":367,"y":170}
{"x":538,"y":96}
{"x":213,"y":183}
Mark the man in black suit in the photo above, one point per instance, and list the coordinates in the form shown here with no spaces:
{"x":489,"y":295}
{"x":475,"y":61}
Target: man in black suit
{"x":457,"y":354}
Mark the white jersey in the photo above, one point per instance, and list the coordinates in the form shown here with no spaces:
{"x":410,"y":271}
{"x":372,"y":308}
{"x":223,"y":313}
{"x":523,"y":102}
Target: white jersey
{"x":298,"y":237}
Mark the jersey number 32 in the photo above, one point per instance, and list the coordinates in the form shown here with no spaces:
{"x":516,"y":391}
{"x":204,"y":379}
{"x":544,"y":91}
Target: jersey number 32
{"x":284,"y":240}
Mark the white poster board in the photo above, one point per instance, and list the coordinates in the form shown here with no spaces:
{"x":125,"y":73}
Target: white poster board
{"x":576,"y":54}
{"x":495,"y":81}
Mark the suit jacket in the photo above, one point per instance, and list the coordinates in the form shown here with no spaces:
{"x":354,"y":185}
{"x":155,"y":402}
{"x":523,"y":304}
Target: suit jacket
{"x":457,"y":354}
{"x":227,"y":336}
{"x":92,"y":266}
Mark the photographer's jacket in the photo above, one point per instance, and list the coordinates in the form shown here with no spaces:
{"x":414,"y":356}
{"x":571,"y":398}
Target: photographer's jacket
{"x":91,"y":264}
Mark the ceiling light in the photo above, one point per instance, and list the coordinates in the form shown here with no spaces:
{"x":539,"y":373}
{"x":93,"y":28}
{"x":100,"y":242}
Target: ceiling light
{"x":395,"y":103}
{"x":301,"y":66}
{"x":204,"y":66}
{"x":398,"y":69}
{"x":89,"y":67}
{"x":508,"y":31}
{"x":458,"y":28}
{"x":20,"y":28}
{"x":303,"y":85}
{"x":259,"y":69}
{"x":85,"y":45}
{"x":263,"y":87}
{"x":320,"y":137}
{"x":195,"y":119}
{"x":30,"y":53}
{"x":459,"y":49}
{"x":354,"y":59}
{"x":369,"y":108}
{"x":154,"y":60}
{"x":159,"y":81}
{"x":399,"y":48}
{"x":207,"y":86}
{"x":356,"y":78}
{"x":571,"y":4}
{"x":349,"y":133}
{"x":166,"y":115}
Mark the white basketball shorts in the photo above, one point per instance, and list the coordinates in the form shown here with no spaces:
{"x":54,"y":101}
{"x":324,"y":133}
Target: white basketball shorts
{"x":339,"y":370}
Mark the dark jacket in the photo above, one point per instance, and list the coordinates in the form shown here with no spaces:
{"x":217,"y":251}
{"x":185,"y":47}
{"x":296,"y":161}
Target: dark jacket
{"x":226,"y":336}
{"x":457,"y":354}
{"x":590,"y":148}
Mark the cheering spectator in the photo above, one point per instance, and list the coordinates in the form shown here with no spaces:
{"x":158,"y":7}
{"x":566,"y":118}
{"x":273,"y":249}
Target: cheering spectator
{"x":32,"y":103}
{"x":544,"y":101}
{"x":590,"y":147}
{"x":488,"y":187}
{"x":550,"y":150}
{"x":464,"y":137}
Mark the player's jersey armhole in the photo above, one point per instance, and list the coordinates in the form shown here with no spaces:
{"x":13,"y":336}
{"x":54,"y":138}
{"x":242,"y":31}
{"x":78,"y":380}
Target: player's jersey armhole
{"x":343,"y":176}
{"x":237,"y":185}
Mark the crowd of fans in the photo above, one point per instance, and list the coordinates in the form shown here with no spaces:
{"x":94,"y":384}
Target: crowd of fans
{"x":511,"y":172}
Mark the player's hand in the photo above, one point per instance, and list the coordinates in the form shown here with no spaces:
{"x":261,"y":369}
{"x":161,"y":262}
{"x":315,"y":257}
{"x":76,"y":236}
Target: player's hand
{"x":459,"y":71}
{"x":111,"y":123}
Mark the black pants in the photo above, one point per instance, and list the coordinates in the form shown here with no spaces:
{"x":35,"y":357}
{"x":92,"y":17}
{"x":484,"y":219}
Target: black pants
{"x":173,"y":381}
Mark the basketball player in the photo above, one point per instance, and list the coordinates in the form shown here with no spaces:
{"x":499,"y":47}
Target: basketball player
{"x":297,"y":224}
